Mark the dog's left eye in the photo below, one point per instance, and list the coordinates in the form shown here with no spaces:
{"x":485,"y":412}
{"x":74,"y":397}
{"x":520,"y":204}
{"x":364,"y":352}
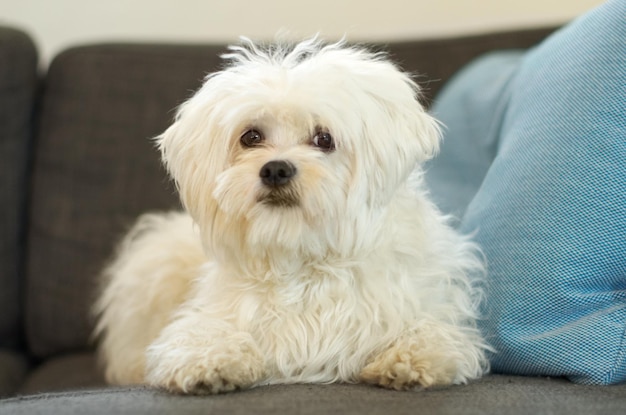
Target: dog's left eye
{"x":251,"y":138}
{"x":324,"y":141}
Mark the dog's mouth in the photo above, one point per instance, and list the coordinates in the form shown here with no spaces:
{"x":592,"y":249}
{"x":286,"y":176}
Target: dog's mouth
{"x":281,"y":198}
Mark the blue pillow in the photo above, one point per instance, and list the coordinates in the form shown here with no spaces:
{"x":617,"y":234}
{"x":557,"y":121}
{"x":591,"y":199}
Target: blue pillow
{"x":537,"y":143}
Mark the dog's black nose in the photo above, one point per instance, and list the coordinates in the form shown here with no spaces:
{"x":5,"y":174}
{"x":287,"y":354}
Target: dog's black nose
{"x":277,"y":173}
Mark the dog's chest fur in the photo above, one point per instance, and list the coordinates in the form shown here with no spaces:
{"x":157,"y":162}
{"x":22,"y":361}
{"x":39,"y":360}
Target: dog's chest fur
{"x":321,"y":323}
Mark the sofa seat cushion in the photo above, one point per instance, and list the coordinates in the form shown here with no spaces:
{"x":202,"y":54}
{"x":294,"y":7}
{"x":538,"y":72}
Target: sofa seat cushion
{"x":491,"y":395}
{"x":547,"y":130}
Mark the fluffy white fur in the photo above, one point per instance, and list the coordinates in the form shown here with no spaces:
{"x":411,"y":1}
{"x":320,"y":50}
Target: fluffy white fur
{"x":358,"y":278}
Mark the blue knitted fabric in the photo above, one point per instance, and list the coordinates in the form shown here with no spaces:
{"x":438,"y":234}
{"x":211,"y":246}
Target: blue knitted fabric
{"x":547,"y":184}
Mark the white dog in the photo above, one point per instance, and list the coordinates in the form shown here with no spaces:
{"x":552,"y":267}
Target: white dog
{"x":310,"y":251}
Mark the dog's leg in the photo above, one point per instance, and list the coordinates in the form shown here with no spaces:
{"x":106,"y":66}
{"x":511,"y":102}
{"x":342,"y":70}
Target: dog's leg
{"x":198,"y":354}
{"x":430,"y":354}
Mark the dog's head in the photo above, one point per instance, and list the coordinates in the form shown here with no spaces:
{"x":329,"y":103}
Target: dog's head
{"x":296,"y":146}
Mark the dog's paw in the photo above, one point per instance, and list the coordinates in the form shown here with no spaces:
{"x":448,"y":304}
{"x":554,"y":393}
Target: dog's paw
{"x":406,"y":366}
{"x":191,"y":368}
{"x":431,"y":354}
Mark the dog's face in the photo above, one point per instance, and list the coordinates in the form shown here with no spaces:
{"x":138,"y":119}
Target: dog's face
{"x":297,"y":148}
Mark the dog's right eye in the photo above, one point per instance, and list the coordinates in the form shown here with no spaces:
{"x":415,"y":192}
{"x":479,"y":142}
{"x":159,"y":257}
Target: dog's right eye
{"x":251,"y":138}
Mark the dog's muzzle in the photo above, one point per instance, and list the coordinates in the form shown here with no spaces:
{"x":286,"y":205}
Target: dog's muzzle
{"x":276,"y":176}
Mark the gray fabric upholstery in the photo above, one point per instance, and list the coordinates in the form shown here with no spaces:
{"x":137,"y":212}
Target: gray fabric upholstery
{"x":95,"y":171}
{"x":18,"y":81}
{"x":492,"y":395}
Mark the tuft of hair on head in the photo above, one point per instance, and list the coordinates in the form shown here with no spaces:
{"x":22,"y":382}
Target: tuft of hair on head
{"x":280,"y":51}
{"x":288,"y":53}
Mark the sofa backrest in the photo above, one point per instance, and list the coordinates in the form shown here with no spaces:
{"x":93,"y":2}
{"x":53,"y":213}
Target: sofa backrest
{"x":18,"y":83}
{"x":95,"y":168}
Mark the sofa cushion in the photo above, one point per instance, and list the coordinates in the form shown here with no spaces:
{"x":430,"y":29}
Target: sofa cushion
{"x":95,"y":170}
{"x":18,"y":82}
{"x":492,"y":395}
{"x":550,"y":213}
{"x":471,"y":109}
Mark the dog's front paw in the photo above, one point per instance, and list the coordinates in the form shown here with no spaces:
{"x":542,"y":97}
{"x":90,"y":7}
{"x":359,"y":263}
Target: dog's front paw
{"x":432,"y":354}
{"x":403,"y":366}
{"x":183,"y":366}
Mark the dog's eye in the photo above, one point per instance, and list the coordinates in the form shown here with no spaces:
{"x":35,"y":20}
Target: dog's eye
{"x":251,"y":138}
{"x":324,"y":141}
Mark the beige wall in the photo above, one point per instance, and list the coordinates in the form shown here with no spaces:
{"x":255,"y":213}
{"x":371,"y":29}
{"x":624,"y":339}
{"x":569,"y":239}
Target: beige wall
{"x":57,"y":24}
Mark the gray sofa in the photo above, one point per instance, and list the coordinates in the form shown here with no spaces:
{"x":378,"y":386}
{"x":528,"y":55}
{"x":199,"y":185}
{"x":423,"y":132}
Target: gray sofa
{"x":76,"y":167}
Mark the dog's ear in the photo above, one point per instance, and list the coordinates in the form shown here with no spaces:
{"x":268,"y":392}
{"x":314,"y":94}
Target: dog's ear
{"x":413,"y":122}
{"x":402,"y":134}
{"x":398,"y":97}
{"x":194,"y":151}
